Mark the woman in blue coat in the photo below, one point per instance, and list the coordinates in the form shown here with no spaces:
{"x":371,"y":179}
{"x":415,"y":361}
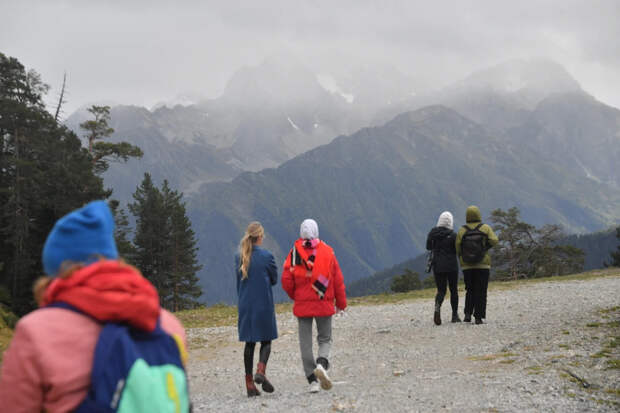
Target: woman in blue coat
{"x":256,"y":274}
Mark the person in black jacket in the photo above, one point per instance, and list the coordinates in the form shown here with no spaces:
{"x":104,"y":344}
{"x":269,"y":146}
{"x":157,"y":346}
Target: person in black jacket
{"x":441,"y":241}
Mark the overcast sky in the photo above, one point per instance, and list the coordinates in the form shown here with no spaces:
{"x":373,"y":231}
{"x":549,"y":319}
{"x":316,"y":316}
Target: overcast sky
{"x":141,"y":52}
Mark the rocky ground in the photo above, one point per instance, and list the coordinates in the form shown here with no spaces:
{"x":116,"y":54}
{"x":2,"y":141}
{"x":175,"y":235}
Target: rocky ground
{"x":549,"y":346}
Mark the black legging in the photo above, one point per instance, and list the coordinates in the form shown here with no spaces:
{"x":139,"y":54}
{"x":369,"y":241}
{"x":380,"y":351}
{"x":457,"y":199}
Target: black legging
{"x":248,"y":354}
{"x":450,"y":278}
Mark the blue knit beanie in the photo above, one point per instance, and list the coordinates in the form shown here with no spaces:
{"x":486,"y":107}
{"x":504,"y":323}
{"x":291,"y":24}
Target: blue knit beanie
{"x":82,"y":236}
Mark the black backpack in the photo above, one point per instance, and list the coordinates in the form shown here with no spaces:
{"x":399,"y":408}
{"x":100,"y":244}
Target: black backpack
{"x":473,"y":245}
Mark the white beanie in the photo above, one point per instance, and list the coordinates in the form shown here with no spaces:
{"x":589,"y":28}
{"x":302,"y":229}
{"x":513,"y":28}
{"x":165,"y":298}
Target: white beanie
{"x":445,"y":220}
{"x":309,"y":229}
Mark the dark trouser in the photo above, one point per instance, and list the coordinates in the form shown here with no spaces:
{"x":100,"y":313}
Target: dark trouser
{"x":451,"y":278}
{"x":476,"y":284}
{"x":248,"y":354}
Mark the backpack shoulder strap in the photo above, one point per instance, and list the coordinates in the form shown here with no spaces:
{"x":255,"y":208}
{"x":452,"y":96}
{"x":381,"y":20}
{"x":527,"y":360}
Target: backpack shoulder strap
{"x":478,"y":226}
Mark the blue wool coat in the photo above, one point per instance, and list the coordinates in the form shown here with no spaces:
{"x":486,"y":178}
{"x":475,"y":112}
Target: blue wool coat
{"x":257,"y":317}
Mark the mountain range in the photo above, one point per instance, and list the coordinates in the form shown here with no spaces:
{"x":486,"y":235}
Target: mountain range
{"x":519,"y":134}
{"x":267,"y":114}
{"x":376,"y":193}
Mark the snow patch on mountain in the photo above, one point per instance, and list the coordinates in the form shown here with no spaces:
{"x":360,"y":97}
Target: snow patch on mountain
{"x":328,"y":82}
{"x":292,"y":123}
{"x":185,"y":99}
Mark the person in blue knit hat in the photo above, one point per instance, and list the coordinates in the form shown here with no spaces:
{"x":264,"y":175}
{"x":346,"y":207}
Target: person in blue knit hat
{"x":49,"y":364}
{"x":82,"y":236}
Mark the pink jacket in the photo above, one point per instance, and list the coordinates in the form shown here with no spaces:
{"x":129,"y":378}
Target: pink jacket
{"x":48,"y":363}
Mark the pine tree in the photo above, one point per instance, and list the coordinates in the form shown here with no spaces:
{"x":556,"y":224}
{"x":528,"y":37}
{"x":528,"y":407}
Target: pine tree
{"x":102,"y":153}
{"x":514,"y":235}
{"x":122,"y":231}
{"x":165,"y":243}
{"x":183,"y":282}
{"x":527,"y":251}
{"x":44,"y":173}
{"x":152,"y":230}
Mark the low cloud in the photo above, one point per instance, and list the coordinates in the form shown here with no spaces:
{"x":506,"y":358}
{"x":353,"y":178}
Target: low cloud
{"x":141,"y":52}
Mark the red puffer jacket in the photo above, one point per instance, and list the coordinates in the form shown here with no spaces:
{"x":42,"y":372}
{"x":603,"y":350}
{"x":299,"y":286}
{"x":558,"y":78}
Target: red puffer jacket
{"x":296,"y":281}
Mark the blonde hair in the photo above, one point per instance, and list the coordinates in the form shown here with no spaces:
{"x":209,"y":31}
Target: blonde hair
{"x":253,"y":232}
{"x":67,"y":268}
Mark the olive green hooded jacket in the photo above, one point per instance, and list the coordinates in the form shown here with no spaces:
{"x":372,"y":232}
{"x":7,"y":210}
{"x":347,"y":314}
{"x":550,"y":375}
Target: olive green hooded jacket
{"x":473,"y":218}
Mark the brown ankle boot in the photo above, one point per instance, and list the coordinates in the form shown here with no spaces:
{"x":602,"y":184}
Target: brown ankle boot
{"x":249,"y":385}
{"x":261,"y":378}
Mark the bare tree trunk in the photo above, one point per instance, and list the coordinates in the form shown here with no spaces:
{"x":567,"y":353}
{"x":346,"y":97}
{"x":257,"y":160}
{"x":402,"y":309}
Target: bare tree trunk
{"x":61,"y":100}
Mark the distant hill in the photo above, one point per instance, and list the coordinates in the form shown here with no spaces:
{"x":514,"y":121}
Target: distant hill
{"x":377,"y":192}
{"x":597,"y":247}
{"x":576,"y":131}
{"x":381,"y":281}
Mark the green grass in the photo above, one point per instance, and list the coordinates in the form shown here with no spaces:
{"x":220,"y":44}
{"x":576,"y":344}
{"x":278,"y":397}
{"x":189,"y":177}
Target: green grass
{"x":487,"y":357}
{"x":6,"y":332}
{"x":613,"y":364}
{"x":601,"y":354}
{"x":611,"y":324}
{"x":610,"y":310}
{"x":615,"y":392}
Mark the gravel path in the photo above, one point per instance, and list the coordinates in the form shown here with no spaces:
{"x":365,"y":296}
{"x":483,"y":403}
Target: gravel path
{"x":392,"y":358}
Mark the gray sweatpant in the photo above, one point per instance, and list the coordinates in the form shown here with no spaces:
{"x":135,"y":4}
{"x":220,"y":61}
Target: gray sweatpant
{"x":324,"y":338}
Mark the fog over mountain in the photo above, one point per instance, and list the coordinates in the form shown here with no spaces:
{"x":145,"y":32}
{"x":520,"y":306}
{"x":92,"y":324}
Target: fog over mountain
{"x":145,"y":52}
{"x":280,"y":108}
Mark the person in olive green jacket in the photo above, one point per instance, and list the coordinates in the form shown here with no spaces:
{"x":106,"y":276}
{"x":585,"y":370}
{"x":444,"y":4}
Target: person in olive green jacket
{"x":476,"y":274}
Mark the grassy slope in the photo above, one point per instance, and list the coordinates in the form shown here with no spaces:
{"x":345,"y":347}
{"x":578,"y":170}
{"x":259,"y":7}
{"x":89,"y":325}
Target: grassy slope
{"x":224,"y":315}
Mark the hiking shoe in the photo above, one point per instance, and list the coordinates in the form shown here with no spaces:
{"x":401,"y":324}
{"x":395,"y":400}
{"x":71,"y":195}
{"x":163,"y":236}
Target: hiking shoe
{"x":467,"y":318}
{"x":314,"y":387}
{"x":437,"y":318}
{"x":261,"y":379}
{"x":321,"y":374}
{"x":455,"y":318}
{"x":250,"y":387}
{"x":479,"y":321}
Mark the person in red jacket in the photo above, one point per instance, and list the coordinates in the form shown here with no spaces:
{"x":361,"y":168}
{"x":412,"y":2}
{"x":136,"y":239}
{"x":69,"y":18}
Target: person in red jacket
{"x":313,"y":280}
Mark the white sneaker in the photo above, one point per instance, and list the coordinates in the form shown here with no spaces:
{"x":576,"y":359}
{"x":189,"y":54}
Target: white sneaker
{"x":314,"y":387}
{"x":321,"y":374}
